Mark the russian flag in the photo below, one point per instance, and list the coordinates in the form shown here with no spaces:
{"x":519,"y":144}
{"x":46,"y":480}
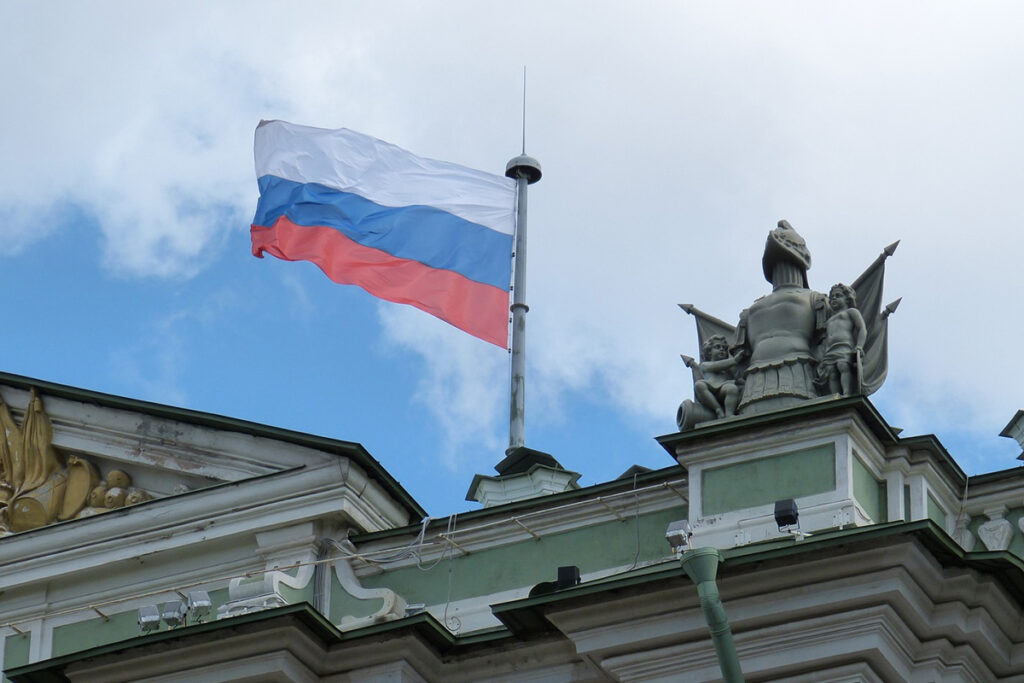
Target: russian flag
{"x":431,"y":234}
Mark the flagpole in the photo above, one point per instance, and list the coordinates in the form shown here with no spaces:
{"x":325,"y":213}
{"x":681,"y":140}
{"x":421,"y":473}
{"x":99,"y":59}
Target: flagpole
{"x":525,"y":170}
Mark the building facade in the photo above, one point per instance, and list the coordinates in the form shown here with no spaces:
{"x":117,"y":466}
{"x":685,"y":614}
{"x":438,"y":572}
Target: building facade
{"x":143,"y":542}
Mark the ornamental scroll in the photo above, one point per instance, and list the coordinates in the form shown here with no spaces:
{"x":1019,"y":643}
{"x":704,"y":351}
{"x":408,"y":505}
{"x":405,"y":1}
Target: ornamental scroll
{"x":39,"y":486}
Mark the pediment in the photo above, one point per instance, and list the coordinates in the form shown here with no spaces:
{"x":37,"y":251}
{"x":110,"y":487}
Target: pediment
{"x":66,"y":453}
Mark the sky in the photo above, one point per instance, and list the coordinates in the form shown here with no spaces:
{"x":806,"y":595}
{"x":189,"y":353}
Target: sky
{"x":672,"y":135}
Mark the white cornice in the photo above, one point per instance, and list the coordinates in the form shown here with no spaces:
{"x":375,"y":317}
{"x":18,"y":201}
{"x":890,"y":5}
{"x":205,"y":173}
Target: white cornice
{"x":500,"y":530}
{"x":192,"y":520}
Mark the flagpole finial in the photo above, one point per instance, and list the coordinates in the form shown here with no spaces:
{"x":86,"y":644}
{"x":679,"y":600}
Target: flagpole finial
{"x":525,"y":166}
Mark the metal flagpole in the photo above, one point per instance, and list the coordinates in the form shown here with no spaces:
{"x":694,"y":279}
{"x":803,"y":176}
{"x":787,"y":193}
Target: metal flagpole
{"x":525,"y":170}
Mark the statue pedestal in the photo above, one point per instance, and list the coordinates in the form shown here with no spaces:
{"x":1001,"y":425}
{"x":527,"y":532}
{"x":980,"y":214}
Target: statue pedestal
{"x":838,"y":459}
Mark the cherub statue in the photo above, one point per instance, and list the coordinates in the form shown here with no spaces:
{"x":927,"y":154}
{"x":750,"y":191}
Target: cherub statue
{"x":717,"y":389}
{"x":845,"y":334}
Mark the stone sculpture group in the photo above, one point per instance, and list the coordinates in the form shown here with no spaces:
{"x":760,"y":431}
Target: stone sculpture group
{"x":793,"y":344}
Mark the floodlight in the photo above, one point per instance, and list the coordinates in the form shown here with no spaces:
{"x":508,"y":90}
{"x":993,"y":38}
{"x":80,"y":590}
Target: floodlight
{"x":786,"y":513}
{"x":199,"y":605}
{"x":173,"y":613}
{"x":149,"y":618}
{"x":678,"y":534}
{"x":568,"y":576}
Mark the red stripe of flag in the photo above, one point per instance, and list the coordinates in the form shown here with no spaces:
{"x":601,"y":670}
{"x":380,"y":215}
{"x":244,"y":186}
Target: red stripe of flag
{"x":479,"y":309}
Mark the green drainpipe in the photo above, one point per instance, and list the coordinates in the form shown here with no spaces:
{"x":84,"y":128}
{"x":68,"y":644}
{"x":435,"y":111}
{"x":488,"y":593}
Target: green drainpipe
{"x":701,"y":565}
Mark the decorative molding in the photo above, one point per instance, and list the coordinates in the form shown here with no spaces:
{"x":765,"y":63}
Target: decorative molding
{"x":394,"y":606}
{"x":539,"y":480}
{"x":911,"y":618}
{"x":996,"y":533}
{"x":502,"y":530}
{"x":278,"y":547}
{"x":963,"y":535}
{"x":40,"y":485}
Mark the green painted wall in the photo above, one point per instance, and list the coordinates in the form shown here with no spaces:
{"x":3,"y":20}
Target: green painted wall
{"x":935,"y":512}
{"x":766,"y":480}
{"x":15,"y":652}
{"x":344,"y":605}
{"x":293,"y":596}
{"x":525,"y":563}
{"x":869,"y":492}
{"x":82,"y":635}
{"x":92,"y":632}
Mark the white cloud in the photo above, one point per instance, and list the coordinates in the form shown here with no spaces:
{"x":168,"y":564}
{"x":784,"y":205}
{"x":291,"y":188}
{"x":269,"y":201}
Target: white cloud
{"x":672,"y":136}
{"x":464,"y":384}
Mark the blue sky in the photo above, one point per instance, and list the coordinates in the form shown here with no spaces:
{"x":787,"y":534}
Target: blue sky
{"x":673,"y":136}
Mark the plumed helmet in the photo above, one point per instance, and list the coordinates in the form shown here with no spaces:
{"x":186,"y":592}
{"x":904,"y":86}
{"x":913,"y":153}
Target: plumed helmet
{"x":785,"y":244}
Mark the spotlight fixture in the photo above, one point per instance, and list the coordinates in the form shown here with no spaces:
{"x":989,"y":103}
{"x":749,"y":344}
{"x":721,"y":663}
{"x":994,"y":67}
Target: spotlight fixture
{"x":568,"y":577}
{"x":149,"y":618}
{"x":199,"y":605}
{"x":786,"y":513}
{"x":173,"y":613}
{"x":787,"y":516}
{"x":678,"y":535}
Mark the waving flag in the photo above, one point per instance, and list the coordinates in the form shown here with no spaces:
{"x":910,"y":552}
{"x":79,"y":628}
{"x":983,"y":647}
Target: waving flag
{"x":431,"y":234}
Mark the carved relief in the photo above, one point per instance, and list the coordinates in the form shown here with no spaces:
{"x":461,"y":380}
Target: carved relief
{"x":963,"y":535}
{"x":114,"y":492}
{"x":39,"y":486}
{"x":996,"y":533}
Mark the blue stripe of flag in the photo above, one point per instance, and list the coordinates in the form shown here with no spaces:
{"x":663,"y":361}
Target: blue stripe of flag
{"x":421,"y":233}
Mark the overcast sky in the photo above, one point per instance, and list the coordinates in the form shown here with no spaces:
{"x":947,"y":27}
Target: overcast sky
{"x":673,"y":136}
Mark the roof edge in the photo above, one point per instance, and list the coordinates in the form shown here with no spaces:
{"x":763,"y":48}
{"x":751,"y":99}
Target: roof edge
{"x":349,"y":449}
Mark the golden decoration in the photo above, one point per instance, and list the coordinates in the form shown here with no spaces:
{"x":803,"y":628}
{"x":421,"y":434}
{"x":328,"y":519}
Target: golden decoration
{"x":39,"y":487}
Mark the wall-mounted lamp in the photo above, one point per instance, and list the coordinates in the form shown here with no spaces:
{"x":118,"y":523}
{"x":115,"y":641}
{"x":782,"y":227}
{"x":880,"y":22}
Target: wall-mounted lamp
{"x":199,"y":605}
{"x":678,"y":535}
{"x":194,"y":607}
{"x":149,"y":618}
{"x":786,"y":513}
{"x":568,"y":577}
{"x":173,"y":613}
{"x":787,"y":516}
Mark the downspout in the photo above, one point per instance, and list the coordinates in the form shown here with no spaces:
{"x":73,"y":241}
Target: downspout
{"x":701,"y":565}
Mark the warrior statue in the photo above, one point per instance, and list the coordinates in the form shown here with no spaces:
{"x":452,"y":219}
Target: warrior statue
{"x":793,"y":344}
{"x":778,"y":330}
